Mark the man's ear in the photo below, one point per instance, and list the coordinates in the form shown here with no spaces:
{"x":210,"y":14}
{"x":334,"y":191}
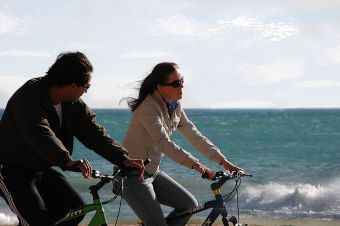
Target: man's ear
{"x":73,"y":85}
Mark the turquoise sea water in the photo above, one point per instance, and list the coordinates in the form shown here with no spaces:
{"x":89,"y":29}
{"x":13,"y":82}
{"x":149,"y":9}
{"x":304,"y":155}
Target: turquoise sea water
{"x":293,"y":154}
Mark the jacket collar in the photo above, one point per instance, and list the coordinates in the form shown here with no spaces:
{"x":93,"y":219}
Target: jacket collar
{"x":46,"y":95}
{"x":157,"y":96}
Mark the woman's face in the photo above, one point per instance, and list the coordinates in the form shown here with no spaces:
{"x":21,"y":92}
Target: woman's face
{"x":172,"y":90}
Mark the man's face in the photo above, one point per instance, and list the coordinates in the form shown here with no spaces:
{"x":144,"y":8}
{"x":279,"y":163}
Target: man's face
{"x":75,"y":91}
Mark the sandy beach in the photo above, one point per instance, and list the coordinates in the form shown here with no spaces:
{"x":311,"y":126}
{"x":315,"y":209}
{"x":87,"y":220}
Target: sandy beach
{"x":258,"y":221}
{"x":252,"y":221}
{"x":271,"y":222}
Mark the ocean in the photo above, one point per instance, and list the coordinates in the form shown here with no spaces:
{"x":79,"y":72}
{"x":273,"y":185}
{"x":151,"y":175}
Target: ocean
{"x":293,"y":155}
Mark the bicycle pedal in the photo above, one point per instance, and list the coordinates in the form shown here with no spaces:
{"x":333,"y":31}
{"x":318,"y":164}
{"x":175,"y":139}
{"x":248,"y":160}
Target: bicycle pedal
{"x":233,"y":220}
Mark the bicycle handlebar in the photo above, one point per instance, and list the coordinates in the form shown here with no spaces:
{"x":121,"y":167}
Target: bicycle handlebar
{"x":121,"y":171}
{"x":104,"y":179}
{"x":98,"y":174}
{"x":128,"y":172}
{"x":223,"y":176}
{"x":226,"y":174}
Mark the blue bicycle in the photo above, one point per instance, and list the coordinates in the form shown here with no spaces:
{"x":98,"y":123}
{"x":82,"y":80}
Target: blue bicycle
{"x":217,"y":205}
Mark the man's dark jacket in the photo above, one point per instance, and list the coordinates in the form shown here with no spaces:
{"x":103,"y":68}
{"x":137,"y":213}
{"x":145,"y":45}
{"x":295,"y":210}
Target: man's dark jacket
{"x":31,"y":136}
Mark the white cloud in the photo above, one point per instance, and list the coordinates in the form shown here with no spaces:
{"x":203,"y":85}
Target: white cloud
{"x":185,"y":26}
{"x":145,"y":54}
{"x":85,"y":45}
{"x":6,"y":219}
{"x":242,"y":104}
{"x":11,"y":25}
{"x":25,"y":53}
{"x":271,"y":31}
{"x":318,"y":84}
{"x":333,"y":55}
{"x":312,"y":5}
{"x":177,"y":25}
{"x":275,"y":72}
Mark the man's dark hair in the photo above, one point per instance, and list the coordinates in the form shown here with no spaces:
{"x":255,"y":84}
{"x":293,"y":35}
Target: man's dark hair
{"x":69,"y":67}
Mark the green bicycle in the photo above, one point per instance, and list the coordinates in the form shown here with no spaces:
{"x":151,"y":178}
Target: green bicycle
{"x":99,"y":218}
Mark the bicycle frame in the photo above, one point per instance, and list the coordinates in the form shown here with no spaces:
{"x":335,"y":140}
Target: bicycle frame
{"x":99,"y":218}
{"x":217,"y":205}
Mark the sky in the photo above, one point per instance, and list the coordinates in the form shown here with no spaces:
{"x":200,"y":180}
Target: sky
{"x":232,"y":53}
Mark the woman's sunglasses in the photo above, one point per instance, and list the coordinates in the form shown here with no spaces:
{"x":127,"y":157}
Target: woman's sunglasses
{"x":175,"y":84}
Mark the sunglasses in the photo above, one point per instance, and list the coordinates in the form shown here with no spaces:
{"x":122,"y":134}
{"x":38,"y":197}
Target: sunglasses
{"x":175,"y":84}
{"x":86,"y":86}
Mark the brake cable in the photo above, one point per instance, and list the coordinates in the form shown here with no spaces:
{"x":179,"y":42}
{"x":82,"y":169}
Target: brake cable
{"x":110,"y":200}
{"x":237,"y":204}
{"x":121,"y":197}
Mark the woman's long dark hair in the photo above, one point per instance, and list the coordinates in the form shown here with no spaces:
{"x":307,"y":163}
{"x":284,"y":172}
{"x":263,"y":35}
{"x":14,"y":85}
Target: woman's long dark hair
{"x":158,"y":75}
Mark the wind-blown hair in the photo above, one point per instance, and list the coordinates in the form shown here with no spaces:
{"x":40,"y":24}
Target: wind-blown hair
{"x":158,"y":75}
{"x":69,"y":67}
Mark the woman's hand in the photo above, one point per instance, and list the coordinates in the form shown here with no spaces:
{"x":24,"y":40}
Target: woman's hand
{"x":82,"y":165}
{"x":229,"y":166}
{"x":203,"y":169}
{"x":136,"y":164}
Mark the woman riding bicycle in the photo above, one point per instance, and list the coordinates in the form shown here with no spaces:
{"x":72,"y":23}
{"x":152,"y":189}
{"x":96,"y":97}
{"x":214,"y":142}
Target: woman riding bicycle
{"x":157,"y":113}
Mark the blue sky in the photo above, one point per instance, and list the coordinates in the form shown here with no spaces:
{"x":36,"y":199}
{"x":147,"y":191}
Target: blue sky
{"x":233,"y":54}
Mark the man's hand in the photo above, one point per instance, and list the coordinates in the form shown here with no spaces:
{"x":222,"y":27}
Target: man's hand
{"x":136,"y":164}
{"x":82,"y":165}
{"x":203,"y":169}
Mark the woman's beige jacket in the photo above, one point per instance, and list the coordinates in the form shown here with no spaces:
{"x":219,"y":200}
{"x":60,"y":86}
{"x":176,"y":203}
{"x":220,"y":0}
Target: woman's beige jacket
{"x":150,"y":130}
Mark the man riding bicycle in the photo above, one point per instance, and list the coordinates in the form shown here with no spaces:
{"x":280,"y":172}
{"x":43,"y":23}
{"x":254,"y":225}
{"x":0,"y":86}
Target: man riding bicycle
{"x":37,"y":130}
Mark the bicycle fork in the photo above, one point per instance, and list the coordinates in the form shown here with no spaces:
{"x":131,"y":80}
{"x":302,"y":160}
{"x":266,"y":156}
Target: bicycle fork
{"x":220,"y":209}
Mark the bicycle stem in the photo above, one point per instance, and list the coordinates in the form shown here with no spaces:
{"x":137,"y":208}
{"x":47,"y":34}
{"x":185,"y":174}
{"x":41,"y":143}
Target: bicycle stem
{"x":95,"y":188}
{"x":217,"y":185}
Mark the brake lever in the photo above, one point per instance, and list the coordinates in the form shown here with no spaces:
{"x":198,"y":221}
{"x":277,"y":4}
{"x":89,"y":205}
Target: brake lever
{"x":241,"y":173}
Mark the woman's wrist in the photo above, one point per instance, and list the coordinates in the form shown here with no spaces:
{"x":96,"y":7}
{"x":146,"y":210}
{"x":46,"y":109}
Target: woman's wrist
{"x":225,"y":163}
{"x":195,"y":165}
{"x":228,"y":165}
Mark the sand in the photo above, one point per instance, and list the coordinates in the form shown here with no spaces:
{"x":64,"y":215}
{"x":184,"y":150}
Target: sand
{"x":258,"y":221}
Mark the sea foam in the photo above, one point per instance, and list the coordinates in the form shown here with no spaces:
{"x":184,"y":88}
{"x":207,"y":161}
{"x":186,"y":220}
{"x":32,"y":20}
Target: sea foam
{"x":296,"y":200}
